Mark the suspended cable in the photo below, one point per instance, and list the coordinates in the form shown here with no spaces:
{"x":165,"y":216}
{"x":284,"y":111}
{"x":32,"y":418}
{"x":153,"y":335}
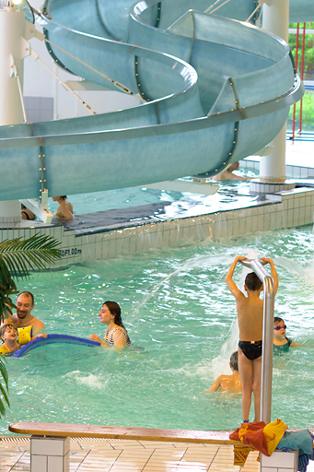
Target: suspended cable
{"x":36,"y":57}
{"x":258,"y":7}
{"x":302,"y":75}
{"x":123,"y":88}
{"x":296,"y":61}
{"x":211,"y":9}
{"x":19,"y":86}
{"x":211,"y":12}
{"x":104,"y":76}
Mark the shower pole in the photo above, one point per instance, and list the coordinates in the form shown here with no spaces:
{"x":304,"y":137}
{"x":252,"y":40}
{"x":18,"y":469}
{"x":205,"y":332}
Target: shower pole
{"x":268,"y":322}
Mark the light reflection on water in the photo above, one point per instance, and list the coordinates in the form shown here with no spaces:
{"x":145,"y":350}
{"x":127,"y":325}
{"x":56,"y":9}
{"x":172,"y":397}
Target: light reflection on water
{"x":178,"y":313}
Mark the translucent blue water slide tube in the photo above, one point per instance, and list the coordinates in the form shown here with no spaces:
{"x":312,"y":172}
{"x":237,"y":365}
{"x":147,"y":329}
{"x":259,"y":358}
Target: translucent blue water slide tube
{"x":214,"y":91}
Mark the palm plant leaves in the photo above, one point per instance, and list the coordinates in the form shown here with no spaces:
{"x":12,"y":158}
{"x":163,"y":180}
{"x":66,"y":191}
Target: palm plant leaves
{"x":4,"y":398}
{"x":23,"y":255}
{"x":17,"y":258}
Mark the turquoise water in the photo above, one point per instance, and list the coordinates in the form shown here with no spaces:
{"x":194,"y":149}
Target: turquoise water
{"x":178,"y":313}
{"x":189,"y":203}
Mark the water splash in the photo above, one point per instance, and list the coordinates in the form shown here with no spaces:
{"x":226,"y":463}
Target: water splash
{"x":91,"y":380}
{"x":196,"y":262}
{"x":305,"y":273}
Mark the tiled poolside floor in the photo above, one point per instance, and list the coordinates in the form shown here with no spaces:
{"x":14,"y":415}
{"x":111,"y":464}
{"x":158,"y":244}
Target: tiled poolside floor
{"x":88,"y":455}
{"x":103,"y":455}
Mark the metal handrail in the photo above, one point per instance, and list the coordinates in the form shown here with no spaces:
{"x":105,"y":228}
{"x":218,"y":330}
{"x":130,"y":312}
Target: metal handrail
{"x":268,"y":322}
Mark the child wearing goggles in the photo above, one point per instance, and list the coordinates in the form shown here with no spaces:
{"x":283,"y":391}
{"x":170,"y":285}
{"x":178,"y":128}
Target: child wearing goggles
{"x":281,"y":343}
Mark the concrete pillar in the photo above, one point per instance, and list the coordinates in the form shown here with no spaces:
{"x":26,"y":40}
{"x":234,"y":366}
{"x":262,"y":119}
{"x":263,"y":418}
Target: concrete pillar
{"x":276,"y":20}
{"x":50,"y":454}
{"x":12,"y":26}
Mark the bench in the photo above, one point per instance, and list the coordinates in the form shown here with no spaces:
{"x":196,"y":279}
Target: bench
{"x":50,"y":442}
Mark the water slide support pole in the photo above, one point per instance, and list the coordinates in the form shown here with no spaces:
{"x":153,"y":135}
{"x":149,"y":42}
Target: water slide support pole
{"x":12,"y":26}
{"x":268,"y":324}
{"x":276,"y":20}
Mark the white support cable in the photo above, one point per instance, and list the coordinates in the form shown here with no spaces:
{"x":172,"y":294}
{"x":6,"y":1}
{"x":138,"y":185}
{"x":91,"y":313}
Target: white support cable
{"x":258,"y":7}
{"x":211,"y":10}
{"x":19,"y":86}
{"x":14,"y":74}
{"x":208,"y":10}
{"x":115,"y":83}
{"x":123,"y":88}
{"x":36,"y":57}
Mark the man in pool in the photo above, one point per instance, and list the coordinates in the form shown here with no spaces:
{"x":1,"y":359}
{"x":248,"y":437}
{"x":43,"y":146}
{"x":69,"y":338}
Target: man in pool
{"x":250,"y":320}
{"x":23,"y":317}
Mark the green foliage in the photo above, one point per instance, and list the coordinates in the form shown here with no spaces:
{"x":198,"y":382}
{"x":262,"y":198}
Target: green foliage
{"x":17,"y":258}
{"x":4,"y":388}
{"x":307,"y":113}
{"x":309,"y":49}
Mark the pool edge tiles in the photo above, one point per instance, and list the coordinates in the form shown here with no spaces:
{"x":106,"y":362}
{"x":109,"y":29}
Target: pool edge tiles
{"x":282,"y":210}
{"x":138,"y":456}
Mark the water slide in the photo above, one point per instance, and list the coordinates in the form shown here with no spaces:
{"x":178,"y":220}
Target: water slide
{"x":214,"y":91}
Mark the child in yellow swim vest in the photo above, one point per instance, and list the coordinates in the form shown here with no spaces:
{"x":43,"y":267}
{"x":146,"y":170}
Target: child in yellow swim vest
{"x":9,"y":336}
{"x":13,"y":338}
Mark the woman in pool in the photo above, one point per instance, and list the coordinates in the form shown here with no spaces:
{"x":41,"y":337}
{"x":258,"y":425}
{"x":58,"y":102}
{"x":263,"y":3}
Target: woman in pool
{"x":64,"y":212}
{"x":280,"y":341}
{"x":116,"y":336}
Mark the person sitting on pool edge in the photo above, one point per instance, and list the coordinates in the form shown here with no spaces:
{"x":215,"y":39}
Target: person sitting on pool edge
{"x":280,"y":341}
{"x":228,"y":174}
{"x":116,"y":335}
{"x":228,"y":383}
{"x":64,"y":213}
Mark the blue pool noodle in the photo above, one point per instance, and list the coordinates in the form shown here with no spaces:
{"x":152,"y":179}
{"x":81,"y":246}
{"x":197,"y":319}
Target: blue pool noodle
{"x":53,"y":339}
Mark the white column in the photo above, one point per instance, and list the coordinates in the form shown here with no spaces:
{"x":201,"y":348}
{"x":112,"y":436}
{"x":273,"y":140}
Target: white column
{"x":276,"y":20}
{"x":12,"y":26}
{"x":279,"y":461}
{"x":50,"y":454}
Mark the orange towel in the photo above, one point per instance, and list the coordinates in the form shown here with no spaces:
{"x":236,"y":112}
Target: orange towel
{"x":252,"y":435}
{"x":260,"y":436}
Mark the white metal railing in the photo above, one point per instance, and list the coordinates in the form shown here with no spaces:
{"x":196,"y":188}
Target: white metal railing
{"x":268,"y":322}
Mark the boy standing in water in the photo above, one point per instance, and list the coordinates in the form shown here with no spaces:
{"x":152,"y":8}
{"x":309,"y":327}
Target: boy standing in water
{"x":250,"y":320}
{"x":228,"y":383}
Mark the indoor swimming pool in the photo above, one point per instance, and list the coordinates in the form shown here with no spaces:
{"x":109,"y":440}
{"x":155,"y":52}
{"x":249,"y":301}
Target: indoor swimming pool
{"x":179,"y":313}
{"x":226,"y":195}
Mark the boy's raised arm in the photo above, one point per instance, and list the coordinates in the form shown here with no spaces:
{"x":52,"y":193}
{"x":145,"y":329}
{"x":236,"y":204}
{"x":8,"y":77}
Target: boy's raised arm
{"x":274,"y":273}
{"x":229,"y":280}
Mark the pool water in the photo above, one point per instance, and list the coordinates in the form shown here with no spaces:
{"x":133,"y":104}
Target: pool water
{"x":178,"y":313}
{"x":229,"y":192}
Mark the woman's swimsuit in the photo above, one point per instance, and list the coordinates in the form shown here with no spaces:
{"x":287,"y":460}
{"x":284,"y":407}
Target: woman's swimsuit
{"x":109,"y":335}
{"x":282,"y":347}
{"x":251,"y":349}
